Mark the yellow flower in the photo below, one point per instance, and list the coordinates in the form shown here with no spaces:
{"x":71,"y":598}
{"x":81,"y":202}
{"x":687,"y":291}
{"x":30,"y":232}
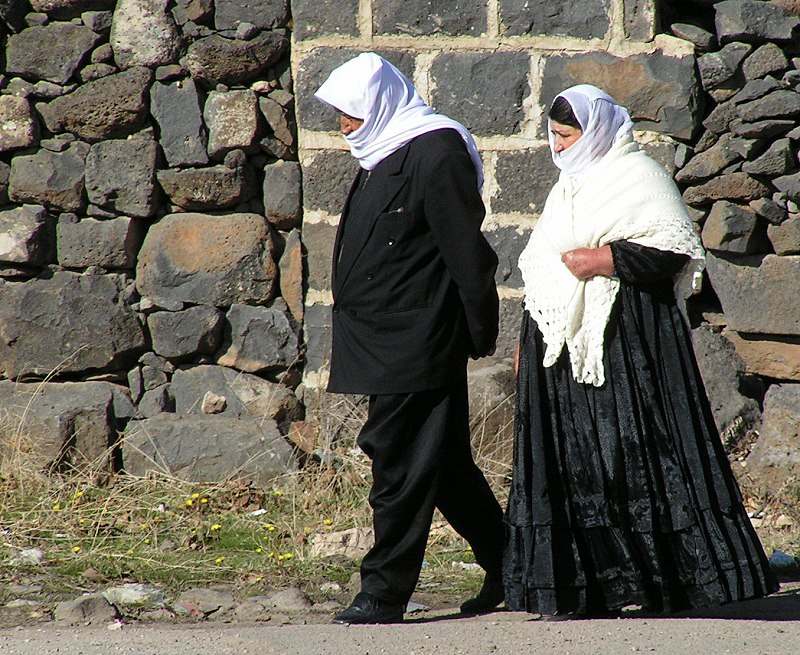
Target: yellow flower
{"x":327,"y":521}
{"x":271,"y":554}
{"x":219,"y":560}
{"x":215,"y":527}
{"x":285,"y":556}
{"x":189,"y":502}
{"x":57,"y":507}
{"x":76,"y":549}
{"x":147,"y":541}
{"x":277,"y":493}
{"x":82,"y":521}
{"x":195,"y":496}
{"x":144,"y":526}
{"x":203,"y":500}
{"x":269,"y":527}
{"x":259,"y":549}
{"x":77,"y":494}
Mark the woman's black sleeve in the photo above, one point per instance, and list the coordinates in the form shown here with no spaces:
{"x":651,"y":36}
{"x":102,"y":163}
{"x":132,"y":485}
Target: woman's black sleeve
{"x":643,"y":266}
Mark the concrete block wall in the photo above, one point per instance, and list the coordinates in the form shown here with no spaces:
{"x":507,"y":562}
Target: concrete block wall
{"x":494,"y":65}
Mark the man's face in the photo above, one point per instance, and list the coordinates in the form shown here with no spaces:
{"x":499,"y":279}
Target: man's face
{"x":348,"y":124}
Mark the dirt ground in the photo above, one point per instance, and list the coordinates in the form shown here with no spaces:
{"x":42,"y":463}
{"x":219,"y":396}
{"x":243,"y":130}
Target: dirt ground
{"x":768,"y":626}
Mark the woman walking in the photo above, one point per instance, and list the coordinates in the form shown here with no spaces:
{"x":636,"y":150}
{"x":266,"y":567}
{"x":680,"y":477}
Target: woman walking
{"x":621,"y":493}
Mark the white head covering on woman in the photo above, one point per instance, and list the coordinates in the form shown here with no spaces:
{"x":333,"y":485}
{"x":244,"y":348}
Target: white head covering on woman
{"x":608,"y":190}
{"x":370,"y":88}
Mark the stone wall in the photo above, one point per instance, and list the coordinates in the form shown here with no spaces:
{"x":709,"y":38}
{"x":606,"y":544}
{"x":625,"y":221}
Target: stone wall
{"x":150,"y":258}
{"x":162,"y":267}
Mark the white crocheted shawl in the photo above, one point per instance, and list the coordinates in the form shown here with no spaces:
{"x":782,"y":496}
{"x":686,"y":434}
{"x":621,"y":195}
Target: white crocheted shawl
{"x":627,"y":196}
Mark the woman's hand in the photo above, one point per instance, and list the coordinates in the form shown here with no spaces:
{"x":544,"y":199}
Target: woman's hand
{"x":585,"y":263}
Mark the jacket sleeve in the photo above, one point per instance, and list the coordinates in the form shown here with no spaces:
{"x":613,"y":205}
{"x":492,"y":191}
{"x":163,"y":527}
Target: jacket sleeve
{"x":645,"y":267}
{"x":454,"y":210}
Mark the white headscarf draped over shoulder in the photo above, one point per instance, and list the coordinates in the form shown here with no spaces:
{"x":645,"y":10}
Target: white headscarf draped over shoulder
{"x":608,"y":190}
{"x":370,"y":88}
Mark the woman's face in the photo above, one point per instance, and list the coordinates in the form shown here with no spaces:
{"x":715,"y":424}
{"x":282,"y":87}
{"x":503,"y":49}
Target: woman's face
{"x":348,"y":124}
{"x":564,"y":135}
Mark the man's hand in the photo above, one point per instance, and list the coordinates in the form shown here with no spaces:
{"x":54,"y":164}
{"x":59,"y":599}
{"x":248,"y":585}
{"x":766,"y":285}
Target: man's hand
{"x":516,"y":359}
{"x":585,"y":263}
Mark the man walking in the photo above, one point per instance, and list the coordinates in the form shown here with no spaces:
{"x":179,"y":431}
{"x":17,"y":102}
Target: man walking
{"x":414,"y":298}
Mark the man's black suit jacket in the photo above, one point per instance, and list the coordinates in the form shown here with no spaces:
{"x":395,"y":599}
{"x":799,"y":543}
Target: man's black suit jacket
{"x":413,"y":277}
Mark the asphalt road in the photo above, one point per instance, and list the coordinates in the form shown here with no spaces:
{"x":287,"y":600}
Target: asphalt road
{"x":765,"y":627}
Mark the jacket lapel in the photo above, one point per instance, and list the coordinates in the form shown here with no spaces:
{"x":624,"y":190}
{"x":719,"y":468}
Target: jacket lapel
{"x":384,"y":184}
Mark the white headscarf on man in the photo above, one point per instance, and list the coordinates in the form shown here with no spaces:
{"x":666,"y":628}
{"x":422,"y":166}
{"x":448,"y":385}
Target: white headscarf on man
{"x":370,"y":88}
{"x":608,"y":190}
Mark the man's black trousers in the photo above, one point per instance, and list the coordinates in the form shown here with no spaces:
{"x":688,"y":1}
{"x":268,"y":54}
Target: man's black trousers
{"x":421,"y":459}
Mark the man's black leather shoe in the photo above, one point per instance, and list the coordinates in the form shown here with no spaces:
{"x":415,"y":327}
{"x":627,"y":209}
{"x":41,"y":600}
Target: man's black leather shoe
{"x":365,"y":608}
{"x":488,"y":598}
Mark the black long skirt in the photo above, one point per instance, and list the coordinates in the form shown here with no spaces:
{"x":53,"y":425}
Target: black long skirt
{"x":622,"y":494}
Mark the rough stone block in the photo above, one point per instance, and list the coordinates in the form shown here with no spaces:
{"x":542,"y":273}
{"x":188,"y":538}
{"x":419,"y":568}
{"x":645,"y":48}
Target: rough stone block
{"x":52,"y":179}
{"x":778,"y":104}
{"x":176,"y":108}
{"x":484,"y":91}
{"x":576,"y":18}
{"x":785,"y":238}
{"x":719,"y":69}
{"x":761,"y":129}
{"x":279,"y":119}
{"x":313,"y":18}
{"x":20,"y":128}
{"x":67,"y":9}
{"x":318,"y":239}
{"x":776,"y":161}
{"x":115,"y":105}
{"x":733,"y":228}
{"x":314,"y":70}
{"x":424,"y":17}
{"x":97,"y":21}
{"x":204,"y":259}
{"x":661,"y":91}
{"x":292,"y":267}
{"x":777,"y":358}
{"x":216,"y":60}
{"x":327,"y":178}
{"x":733,"y":186}
{"x":282,"y":188}
{"x":245,"y":394}
{"x":524,"y":178}
{"x":776,"y":457}
{"x":60,"y":424}
{"x":26,"y":236}
{"x":96,"y":71}
{"x":210,"y":188}
{"x":207,"y":448}
{"x":143,"y":33}
{"x":755,"y":89}
{"x":758,"y":295}
{"x":40,"y":333}
{"x":264,"y":14}
{"x":258,"y":339}
{"x":51,"y":52}
{"x":771,"y":211}
{"x":722,"y":370}
{"x":766,"y":60}
{"x":111,"y":244}
{"x":185,"y":334}
{"x":121,"y":176}
{"x":317,"y":333}
{"x":510,"y":321}
{"x":5,"y":173}
{"x":702,"y":39}
{"x":156,"y":401}
{"x":748,"y":20}
{"x":709,"y":162}
{"x":232,"y":119}
{"x":641,"y":19}
{"x":508,"y":242}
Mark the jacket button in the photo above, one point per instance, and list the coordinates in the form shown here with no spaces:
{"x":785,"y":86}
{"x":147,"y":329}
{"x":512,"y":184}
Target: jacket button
{"x":370,"y":276}
{"x":390,"y":242}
